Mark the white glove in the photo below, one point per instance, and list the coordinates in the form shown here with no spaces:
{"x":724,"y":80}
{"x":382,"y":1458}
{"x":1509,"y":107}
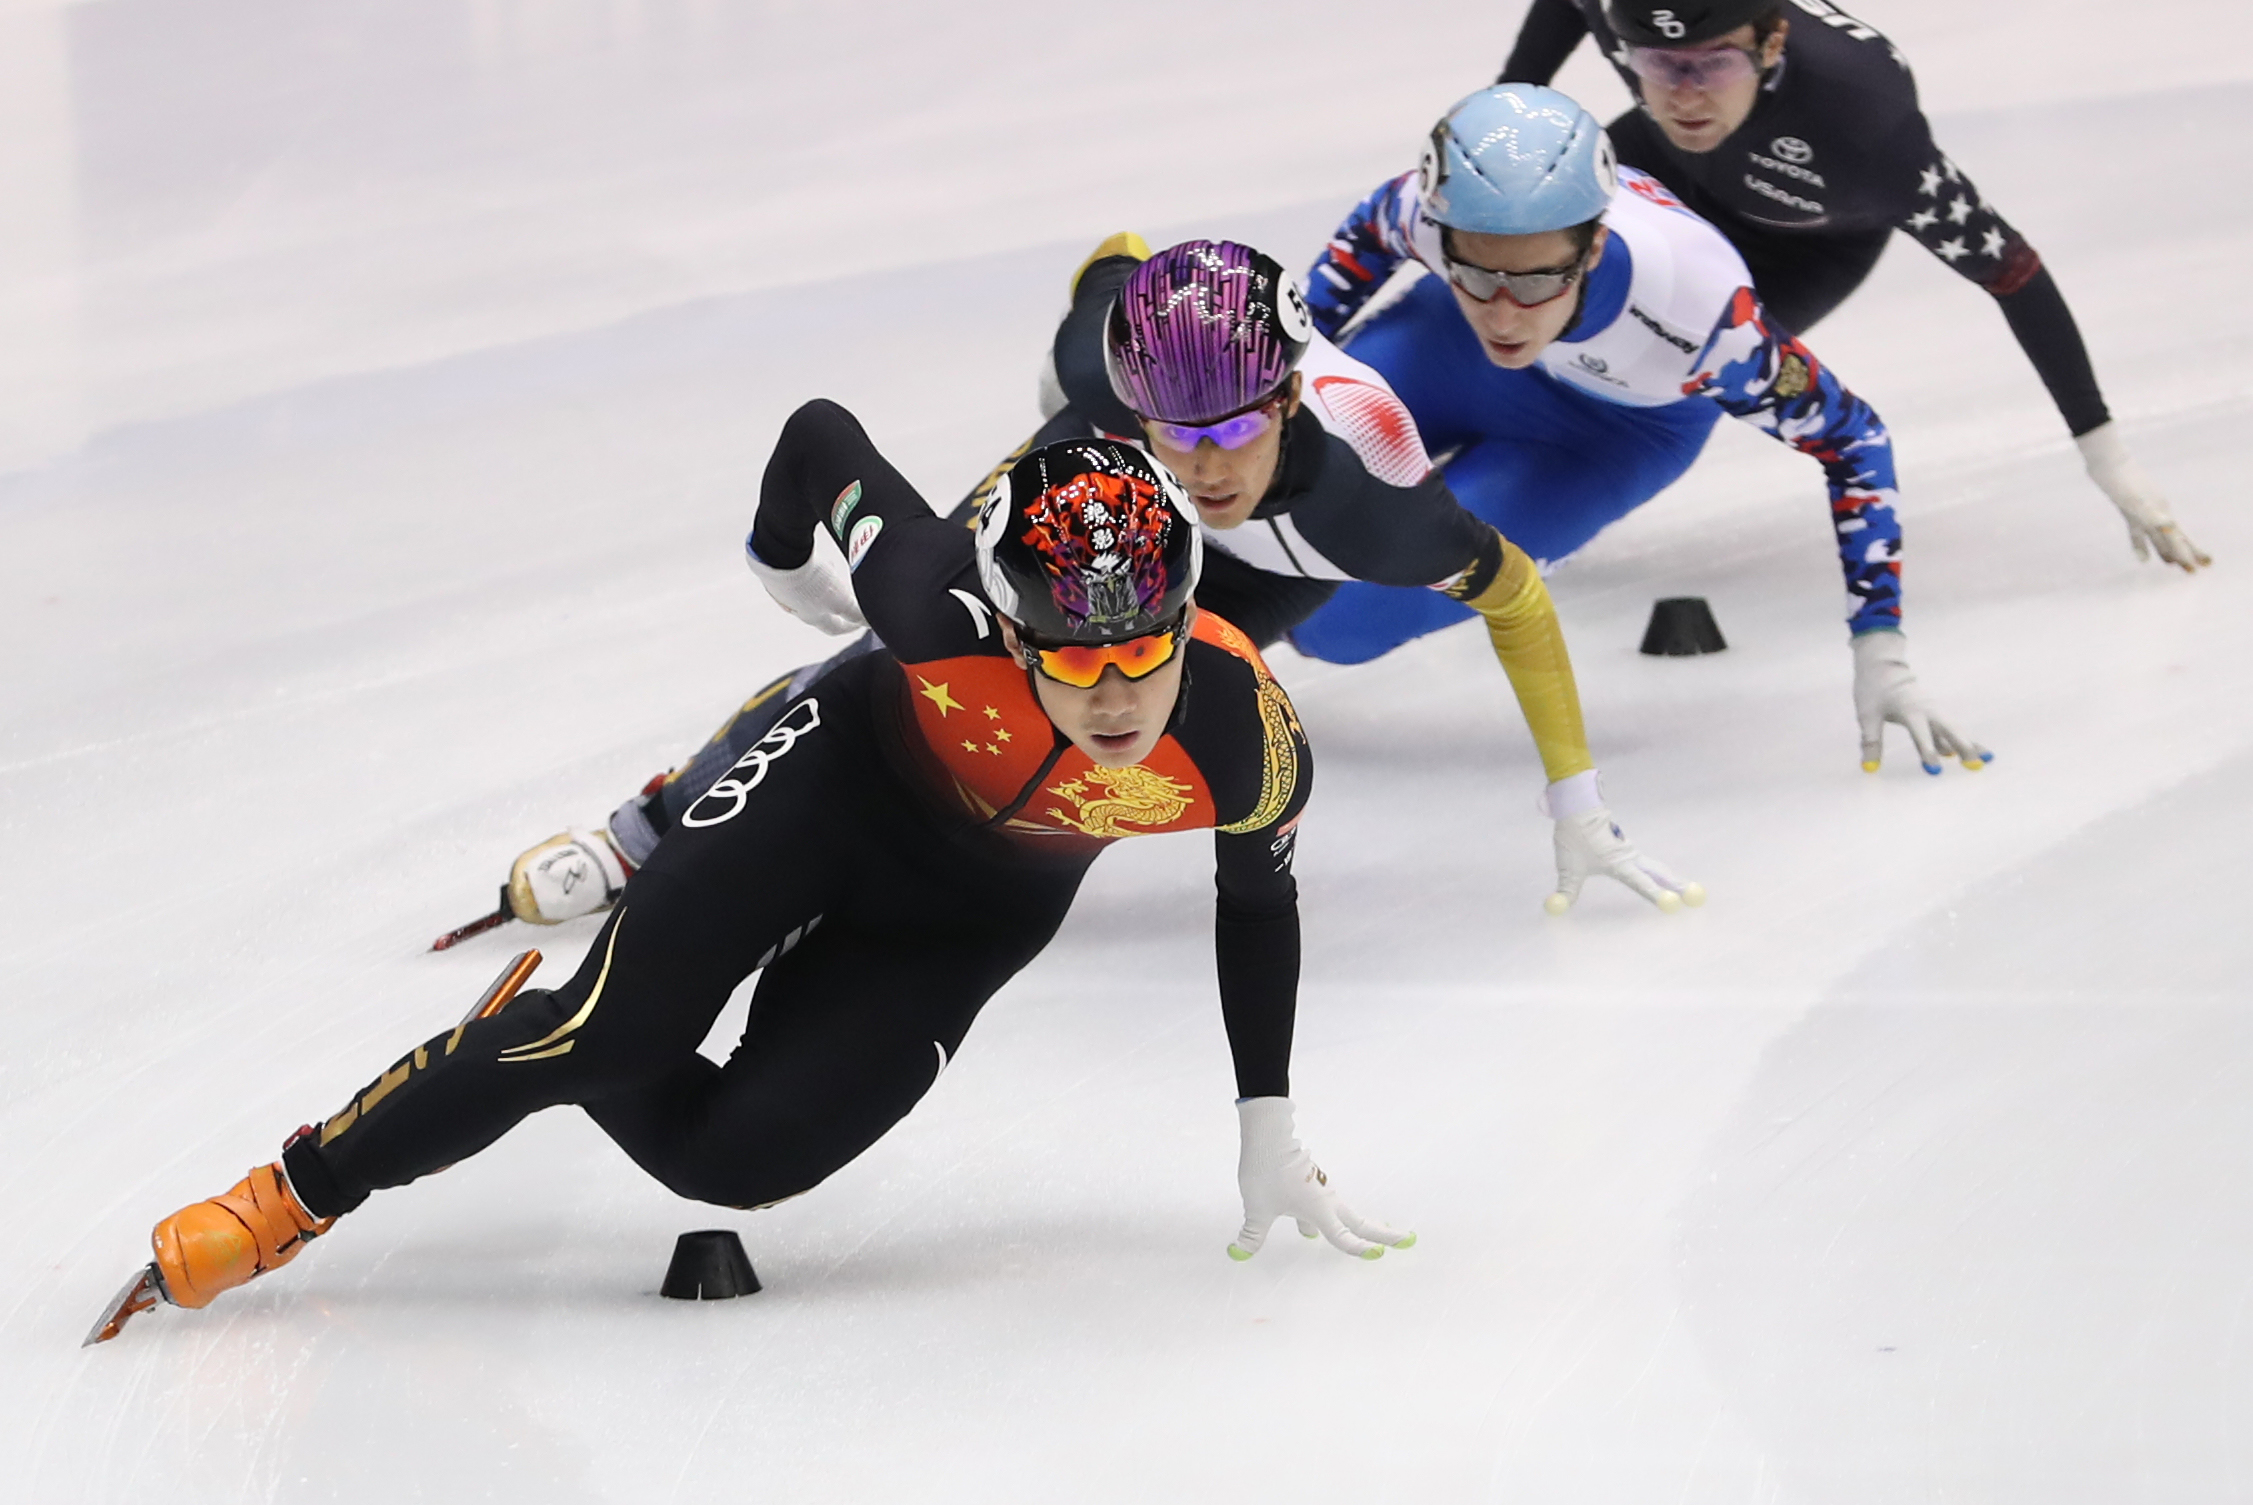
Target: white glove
{"x":1885,"y":689}
{"x":1589,"y":842}
{"x":1279,"y":1180}
{"x":812,"y":593}
{"x":2151,"y":527}
{"x":564,"y":877}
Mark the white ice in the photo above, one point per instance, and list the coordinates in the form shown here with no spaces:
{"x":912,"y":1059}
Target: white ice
{"x":383,"y":391}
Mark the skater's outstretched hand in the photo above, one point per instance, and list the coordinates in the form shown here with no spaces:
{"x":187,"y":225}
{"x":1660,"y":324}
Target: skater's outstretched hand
{"x":1280,"y":1180}
{"x":812,"y":592}
{"x":2151,"y":524}
{"x":1885,"y":689}
{"x":1590,"y":844}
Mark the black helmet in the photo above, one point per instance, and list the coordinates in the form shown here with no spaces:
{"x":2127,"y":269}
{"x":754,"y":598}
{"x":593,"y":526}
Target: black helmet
{"x":1679,"y":23}
{"x":1088,"y":541}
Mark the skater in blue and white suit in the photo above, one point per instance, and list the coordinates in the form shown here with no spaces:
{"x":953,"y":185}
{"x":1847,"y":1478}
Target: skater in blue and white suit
{"x":1582,"y":334}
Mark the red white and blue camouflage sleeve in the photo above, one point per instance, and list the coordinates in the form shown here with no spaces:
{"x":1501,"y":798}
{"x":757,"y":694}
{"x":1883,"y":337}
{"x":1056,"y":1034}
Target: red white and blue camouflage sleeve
{"x":1764,"y":375}
{"x":1377,"y":237}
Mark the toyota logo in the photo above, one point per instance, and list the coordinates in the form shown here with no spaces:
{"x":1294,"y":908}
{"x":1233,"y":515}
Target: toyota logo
{"x":1792,"y":150}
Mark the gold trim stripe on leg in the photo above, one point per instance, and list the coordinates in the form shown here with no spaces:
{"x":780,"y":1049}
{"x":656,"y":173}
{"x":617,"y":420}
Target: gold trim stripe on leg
{"x":537,"y":1049}
{"x":390,"y":1082}
{"x":342,"y":1121}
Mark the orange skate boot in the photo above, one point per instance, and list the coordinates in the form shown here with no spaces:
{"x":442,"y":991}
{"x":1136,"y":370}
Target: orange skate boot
{"x":218,"y":1244}
{"x":229,"y":1240}
{"x":215,"y":1245}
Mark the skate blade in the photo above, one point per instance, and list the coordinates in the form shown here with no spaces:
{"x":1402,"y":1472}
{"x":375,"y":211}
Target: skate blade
{"x":478,"y":926}
{"x":143,"y":1291}
{"x":504,"y":988}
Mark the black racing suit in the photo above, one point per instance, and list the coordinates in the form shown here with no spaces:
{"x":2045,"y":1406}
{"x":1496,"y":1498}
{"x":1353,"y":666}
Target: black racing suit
{"x":905,"y":836}
{"x":1834,"y":157}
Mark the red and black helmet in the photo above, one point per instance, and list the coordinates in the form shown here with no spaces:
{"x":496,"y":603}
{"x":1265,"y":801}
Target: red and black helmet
{"x":1089,"y":541}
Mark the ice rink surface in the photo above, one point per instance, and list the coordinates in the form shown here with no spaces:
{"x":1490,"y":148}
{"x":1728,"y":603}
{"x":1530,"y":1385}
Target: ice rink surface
{"x":383,"y":393}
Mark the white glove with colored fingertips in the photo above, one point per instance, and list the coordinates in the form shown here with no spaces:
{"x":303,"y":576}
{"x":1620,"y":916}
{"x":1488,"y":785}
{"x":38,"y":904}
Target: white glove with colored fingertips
{"x":1886,"y":689}
{"x":1280,"y":1180}
{"x":2152,"y":528}
{"x":1590,"y":844}
{"x":813,"y":593}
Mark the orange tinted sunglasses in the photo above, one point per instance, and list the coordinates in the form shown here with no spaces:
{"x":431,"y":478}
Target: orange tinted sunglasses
{"x":1080,"y":665}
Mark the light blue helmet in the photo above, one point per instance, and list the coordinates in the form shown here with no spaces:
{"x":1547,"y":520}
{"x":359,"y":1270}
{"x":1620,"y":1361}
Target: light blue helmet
{"x":1517,"y":159}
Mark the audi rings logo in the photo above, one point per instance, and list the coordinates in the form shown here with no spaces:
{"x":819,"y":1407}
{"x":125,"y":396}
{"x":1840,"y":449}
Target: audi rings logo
{"x":735,"y":786}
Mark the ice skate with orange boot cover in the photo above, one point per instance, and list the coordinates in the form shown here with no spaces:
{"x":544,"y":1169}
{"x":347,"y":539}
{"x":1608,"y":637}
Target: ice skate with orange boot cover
{"x":225,"y":1241}
{"x":215,"y":1245}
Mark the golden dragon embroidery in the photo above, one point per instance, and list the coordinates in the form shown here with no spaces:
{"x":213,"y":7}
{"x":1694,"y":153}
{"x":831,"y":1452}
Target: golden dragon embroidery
{"x":1133,"y":795}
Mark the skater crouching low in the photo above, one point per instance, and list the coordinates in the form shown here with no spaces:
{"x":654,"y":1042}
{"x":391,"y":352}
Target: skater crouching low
{"x":906,"y":837}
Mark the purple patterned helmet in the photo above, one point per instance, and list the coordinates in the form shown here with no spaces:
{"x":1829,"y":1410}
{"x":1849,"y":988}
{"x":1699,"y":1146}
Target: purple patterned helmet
{"x":1204,"y":330}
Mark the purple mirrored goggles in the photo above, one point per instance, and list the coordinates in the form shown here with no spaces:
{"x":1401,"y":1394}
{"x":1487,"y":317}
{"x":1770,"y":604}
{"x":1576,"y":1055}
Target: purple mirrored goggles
{"x":1233,"y":432}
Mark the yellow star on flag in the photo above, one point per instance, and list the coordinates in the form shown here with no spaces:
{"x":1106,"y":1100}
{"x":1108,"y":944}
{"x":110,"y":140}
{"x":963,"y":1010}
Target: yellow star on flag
{"x":1001,"y":734}
{"x":938,"y":696}
{"x":992,"y":714}
{"x":968,"y":745}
